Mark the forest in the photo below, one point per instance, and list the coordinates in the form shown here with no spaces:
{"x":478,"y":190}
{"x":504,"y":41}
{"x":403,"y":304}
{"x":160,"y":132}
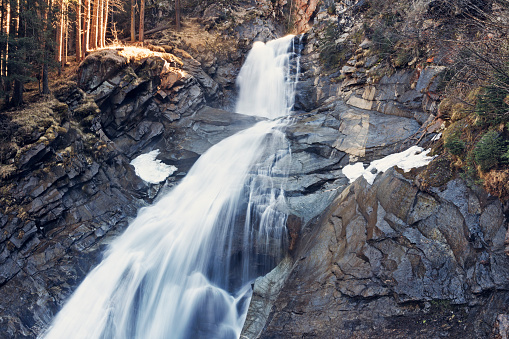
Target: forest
{"x":38,"y":36}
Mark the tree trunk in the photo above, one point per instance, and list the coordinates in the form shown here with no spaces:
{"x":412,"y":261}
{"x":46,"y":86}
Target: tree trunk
{"x":133,"y":27}
{"x":45,"y":80}
{"x":177,"y":14}
{"x":17,"y":94}
{"x":65,"y":32}
{"x":78,"y":31}
{"x":86,"y":28}
{"x":60,"y":32}
{"x":100,"y":13}
{"x":93,"y":26}
{"x":6,"y":25}
{"x":96,"y":22}
{"x":2,"y":45}
{"x":105,"y":25}
{"x":142,"y":20}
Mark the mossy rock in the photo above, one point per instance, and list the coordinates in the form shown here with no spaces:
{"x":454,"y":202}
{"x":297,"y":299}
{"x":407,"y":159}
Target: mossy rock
{"x":60,"y":109}
{"x":87,"y":108}
{"x":438,"y":172}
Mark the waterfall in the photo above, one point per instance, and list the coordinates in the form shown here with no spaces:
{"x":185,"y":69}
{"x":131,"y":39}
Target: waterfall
{"x":266,"y":87}
{"x":184,"y":266}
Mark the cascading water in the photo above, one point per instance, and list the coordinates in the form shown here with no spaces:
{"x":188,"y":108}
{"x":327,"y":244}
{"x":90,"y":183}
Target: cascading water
{"x":183,"y":267}
{"x":266,"y":84}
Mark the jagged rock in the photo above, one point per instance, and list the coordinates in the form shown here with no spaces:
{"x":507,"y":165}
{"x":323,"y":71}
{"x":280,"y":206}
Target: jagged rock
{"x":98,"y":67}
{"x":32,"y":155}
{"x":427,"y":76}
{"x":366,"y":44}
{"x":376,"y":249}
{"x":348,"y":69}
{"x":305,"y":9}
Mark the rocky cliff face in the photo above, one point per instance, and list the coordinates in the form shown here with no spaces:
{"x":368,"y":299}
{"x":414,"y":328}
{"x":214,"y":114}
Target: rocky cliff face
{"x":414,"y":255}
{"x":404,"y":257}
{"x":392,"y":260}
{"x":72,"y":188}
{"x":67,"y":186}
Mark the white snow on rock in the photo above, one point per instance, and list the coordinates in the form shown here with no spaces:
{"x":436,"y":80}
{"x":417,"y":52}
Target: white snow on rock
{"x":151,"y":170}
{"x":413,"y":157}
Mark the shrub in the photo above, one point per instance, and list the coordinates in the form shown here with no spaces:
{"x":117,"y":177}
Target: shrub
{"x":383,"y":42}
{"x":492,"y":105}
{"x":455,"y":145}
{"x":497,"y":183}
{"x":331,"y":10}
{"x":489,"y":150}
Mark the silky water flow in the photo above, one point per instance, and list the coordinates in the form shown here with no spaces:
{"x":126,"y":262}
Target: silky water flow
{"x":184,"y":266}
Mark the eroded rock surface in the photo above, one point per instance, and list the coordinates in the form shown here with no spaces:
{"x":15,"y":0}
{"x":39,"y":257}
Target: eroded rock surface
{"x":390,"y":260}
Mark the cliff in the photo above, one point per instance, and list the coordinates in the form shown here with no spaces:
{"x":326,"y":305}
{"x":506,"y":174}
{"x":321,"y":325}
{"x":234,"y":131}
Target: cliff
{"x":417,"y":254}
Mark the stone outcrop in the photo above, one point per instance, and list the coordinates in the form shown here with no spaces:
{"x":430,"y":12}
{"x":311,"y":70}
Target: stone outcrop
{"x":324,"y":141}
{"x":391,"y":260}
{"x":71,"y":188}
{"x":409,"y":91}
{"x":305,"y":11}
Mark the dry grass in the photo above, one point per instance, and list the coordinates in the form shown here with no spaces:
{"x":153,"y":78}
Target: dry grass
{"x":496,"y":182}
{"x":133,"y":53}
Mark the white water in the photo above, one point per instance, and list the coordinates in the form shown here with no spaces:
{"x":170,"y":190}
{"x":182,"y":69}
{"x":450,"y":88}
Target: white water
{"x":183,"y":267}
{"x":266,"y":72}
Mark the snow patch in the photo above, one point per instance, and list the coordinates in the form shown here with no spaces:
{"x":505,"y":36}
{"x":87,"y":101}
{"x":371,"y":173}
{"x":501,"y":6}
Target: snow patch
{"x":436,"y":137}
{"x":413,"y":157}
{"x":151,"y":170}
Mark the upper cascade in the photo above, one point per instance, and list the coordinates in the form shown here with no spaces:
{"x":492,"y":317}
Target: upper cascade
{"x":266,"y":83}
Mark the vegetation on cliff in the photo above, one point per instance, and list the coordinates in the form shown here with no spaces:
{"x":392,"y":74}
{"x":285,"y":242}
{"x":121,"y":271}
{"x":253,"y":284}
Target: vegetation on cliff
{"x":468,"y":38}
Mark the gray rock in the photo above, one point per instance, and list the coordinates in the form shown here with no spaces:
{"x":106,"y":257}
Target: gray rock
{"x":427,"y":76}
{"x":375,"y":251}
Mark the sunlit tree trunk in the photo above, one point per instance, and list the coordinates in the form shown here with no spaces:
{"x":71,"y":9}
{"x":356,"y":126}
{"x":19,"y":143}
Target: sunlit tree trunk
{"x":100,"y":24}
{"x":66,"y":32}
{"x":6,"y":25}
{"x":60,"y":32}
{"x":93,"y":25}
{"x":105,"y":20}
{"x":142,"y":20}
{"x":86,"y":28}
{"x":133,"y":27}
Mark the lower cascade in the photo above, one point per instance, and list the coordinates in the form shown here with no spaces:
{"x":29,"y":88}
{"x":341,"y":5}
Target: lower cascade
{"x":184,"y":266}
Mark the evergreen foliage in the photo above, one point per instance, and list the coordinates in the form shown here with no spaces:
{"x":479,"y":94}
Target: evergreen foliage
{"x":492,"y":103}
{"x":455,"y":145}
{"x":489,"y":150}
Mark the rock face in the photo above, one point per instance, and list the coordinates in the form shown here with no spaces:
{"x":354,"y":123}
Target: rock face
{"x":72,"y":188}
{"x":409,"y":91}
{"x":387,"y":260}
{"x":305,"y":11}
{"x":390,"y":260}
{"x":324,"y":142}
